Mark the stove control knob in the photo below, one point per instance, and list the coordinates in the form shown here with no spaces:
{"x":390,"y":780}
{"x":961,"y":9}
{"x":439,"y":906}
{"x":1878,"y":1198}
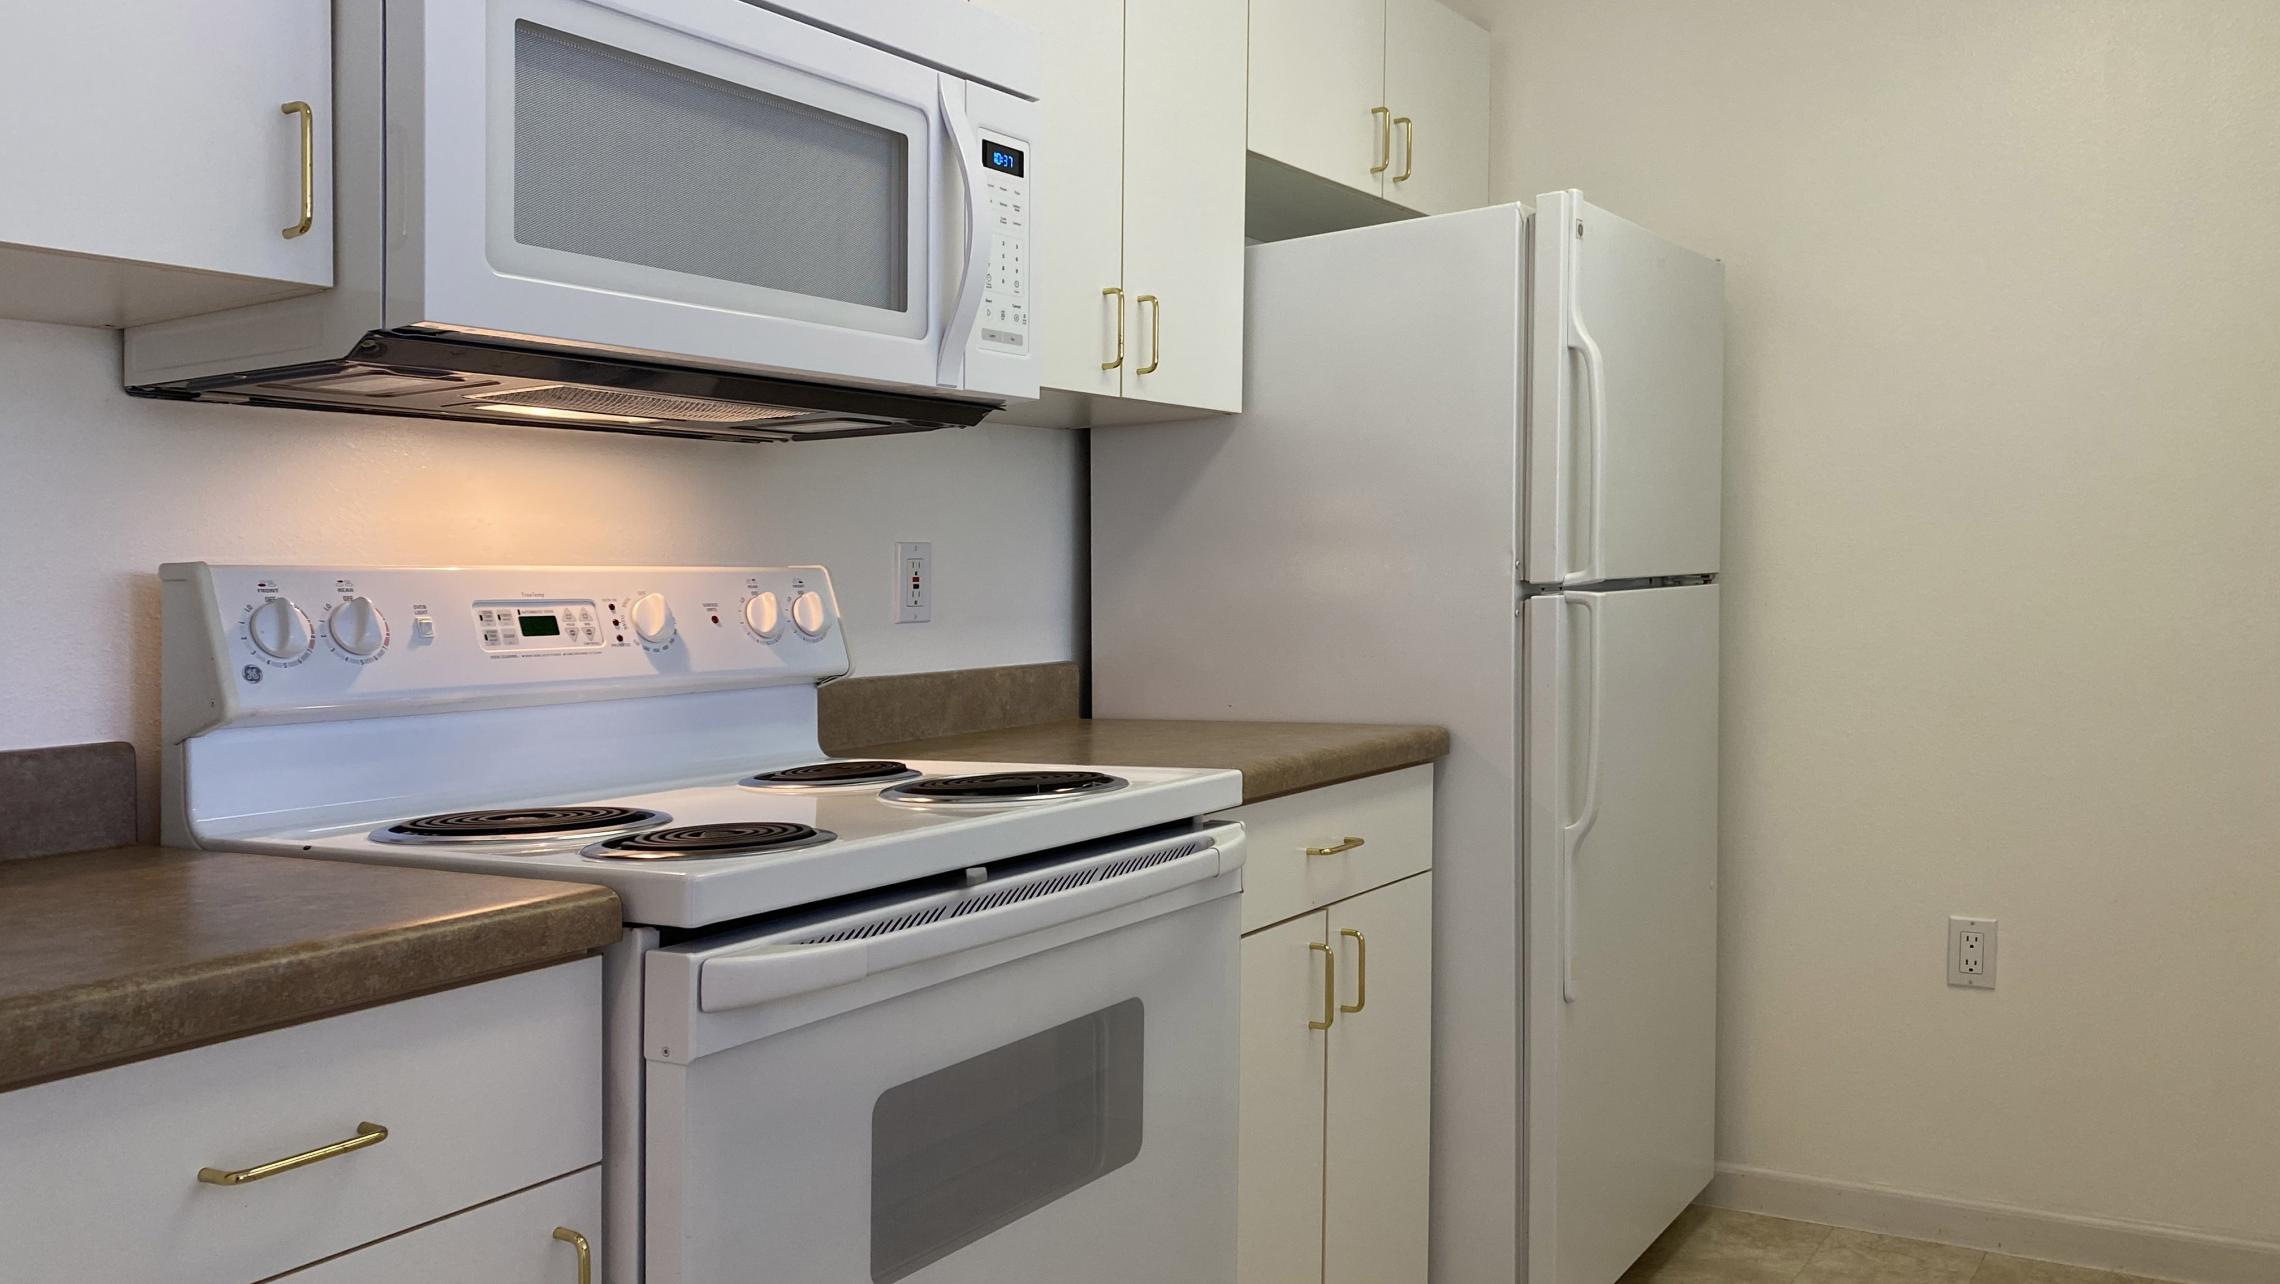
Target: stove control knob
{"x":808,"y":615}
{"x":357,"y":627}
{"x":764,"y":614}
{"x":279,"y":630}
{"x":652,"y":618}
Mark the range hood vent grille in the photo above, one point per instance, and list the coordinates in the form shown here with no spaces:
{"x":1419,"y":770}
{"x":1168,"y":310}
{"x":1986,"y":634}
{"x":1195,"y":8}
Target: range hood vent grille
{"x":643,"y":405}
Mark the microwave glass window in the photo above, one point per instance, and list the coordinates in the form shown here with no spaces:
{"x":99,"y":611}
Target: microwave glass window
{"x":1003,"y":159}
{"x":540,"y":626}
{"x":981,"y":1144}
{"x":622,"y":157}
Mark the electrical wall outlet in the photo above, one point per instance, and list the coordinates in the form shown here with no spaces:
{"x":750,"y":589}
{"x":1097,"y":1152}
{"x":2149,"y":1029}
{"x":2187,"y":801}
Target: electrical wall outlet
{"x":1971,"y":953}
{"x":914,"y":582}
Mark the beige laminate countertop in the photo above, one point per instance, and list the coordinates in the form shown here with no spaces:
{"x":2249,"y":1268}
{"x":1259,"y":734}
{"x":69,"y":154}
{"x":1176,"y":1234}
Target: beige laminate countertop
{"x":1274,"y":757}
{"x":115,"y":955}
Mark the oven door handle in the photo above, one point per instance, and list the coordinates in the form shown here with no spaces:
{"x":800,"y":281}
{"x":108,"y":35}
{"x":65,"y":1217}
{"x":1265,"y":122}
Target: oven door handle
{"x":772,"y":972}
{"x":950,"y":363}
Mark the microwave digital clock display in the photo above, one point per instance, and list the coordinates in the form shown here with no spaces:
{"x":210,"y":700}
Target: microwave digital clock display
{"x":1003,"y":159}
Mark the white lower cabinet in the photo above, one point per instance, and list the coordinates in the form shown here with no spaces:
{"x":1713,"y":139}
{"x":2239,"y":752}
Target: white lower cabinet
{"x":548,"y":1234}
{"x":246,"y":1159}
{"x":1335,"y":1097}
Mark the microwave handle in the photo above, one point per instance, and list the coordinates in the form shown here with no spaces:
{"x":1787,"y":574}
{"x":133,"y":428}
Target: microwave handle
{"x":950,"y":366}
{"x":728,"y":982}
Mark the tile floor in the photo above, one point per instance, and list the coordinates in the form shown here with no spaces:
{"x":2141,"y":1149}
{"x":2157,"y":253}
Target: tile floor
{"x":1717,"y":1246}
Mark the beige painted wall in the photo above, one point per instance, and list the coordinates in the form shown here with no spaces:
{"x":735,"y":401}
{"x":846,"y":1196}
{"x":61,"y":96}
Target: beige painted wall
{"x":97,"y":488}
{"x":2003,"y":566}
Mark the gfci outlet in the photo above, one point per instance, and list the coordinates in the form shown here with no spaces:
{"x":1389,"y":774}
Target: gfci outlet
{"x":914,"y":582}
{"x":1971,"y":952}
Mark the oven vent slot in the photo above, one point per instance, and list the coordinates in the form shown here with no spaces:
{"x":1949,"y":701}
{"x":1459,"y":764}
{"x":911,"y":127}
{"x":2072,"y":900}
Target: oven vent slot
{"x":865,"y":931}
{"x":1016,"y":888}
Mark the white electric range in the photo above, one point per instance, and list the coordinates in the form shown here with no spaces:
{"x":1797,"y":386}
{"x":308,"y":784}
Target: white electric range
{"x":871,"y":1020}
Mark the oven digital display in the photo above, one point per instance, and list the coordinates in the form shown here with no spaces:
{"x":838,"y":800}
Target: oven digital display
{"x":1003,"y":159}
{"x":540,"y":626}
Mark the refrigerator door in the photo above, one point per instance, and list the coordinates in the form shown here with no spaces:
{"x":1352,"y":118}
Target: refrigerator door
{"x":1620,"y":834}
{"x":1627,"y":370}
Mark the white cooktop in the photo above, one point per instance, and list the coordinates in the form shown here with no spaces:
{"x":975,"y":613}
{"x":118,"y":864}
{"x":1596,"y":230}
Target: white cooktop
{"x":877,"y":842}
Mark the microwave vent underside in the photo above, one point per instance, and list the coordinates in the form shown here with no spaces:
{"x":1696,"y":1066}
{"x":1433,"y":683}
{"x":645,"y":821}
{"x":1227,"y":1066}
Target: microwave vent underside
{"x":644,"y":405}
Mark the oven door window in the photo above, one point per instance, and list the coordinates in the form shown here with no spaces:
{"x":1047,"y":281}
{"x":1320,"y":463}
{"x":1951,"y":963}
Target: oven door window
{"x":792,"y":197}
{"x":978,"y":1145}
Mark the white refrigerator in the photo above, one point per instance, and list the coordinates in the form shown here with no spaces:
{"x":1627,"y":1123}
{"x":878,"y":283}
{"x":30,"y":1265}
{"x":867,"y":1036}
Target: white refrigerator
{"x":1476,"y":482}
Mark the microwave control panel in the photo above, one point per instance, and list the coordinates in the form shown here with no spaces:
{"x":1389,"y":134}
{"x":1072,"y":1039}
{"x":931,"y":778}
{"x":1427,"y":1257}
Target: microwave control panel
{"x":1004,"y":323}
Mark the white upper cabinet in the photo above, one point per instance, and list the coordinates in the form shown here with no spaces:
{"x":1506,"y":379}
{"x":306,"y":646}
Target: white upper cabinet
{"x":1386,"y":97}
{"x":1317,"y":96}
{"x":1183,"y":202}
{"x":1139,"y":280}
{"x":1436,"y":81}
{"x":156,"y":165}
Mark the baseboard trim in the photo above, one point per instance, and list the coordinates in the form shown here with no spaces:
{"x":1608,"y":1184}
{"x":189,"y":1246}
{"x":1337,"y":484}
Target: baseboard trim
{"x":2135,"y":1248}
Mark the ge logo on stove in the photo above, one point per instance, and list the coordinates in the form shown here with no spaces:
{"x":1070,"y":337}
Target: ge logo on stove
{"x":251,"y":672}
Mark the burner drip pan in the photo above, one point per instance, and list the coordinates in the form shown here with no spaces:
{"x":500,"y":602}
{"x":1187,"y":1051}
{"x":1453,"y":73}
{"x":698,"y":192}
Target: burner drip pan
{"x":688,"y":842}
{"x":835,"y":774}
{"x":504,"y":824}
{"x":1001,"y":787}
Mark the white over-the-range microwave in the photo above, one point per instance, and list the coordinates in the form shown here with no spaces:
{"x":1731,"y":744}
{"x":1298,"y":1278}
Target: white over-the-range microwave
{"x":713,"y":218}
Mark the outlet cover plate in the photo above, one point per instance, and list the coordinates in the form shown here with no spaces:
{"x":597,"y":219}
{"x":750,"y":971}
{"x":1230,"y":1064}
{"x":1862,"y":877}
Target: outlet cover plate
{"x":1971,"y":953}
{"x":914,"y":582}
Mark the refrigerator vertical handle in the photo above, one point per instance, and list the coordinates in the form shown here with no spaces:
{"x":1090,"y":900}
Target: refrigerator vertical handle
{"x":1595,"y":377}
{"x":1573,"y":831}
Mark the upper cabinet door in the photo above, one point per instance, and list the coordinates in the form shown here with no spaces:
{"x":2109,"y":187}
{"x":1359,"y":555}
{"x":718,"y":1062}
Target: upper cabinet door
{"x":160,"y":134}
{"x":1436,"y":82}
{"x":1318,"y":88}
{"x":1080,"y":181}
{"x":1183,"y":202}
{"x":1626,"y":414}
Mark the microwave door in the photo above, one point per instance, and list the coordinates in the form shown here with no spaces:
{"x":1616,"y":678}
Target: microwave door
{"x":716,"y":183}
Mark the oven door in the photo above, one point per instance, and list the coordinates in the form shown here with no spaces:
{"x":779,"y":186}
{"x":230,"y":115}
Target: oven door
{"x":704,"y":181}
{"x":1042,"y":1088}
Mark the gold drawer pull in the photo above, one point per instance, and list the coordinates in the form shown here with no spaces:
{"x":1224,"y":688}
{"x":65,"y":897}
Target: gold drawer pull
{"x":1329,"y":986}
{"x":367,"y":1134}
{"x":308,"y":117}
{"x":585,"y":1252}
{"x":1350,"y":844}
{"x":1155,"y":332}
{"x":1361,"y":970}
{"x":1384,"y":118}
{"x":1116,"y":292}
{"x":1408,"y":148}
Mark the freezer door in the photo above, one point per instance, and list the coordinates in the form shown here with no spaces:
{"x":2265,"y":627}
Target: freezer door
{"x":1625,"y":409}
{"x":1621,"y":849}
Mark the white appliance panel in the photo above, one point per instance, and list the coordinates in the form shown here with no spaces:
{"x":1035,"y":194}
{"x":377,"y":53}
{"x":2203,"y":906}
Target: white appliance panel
{"x":1055,"y":1106}
{"x":1344,"y":549}
{"x":1627,"y":388}
{"x":1622,"y":857}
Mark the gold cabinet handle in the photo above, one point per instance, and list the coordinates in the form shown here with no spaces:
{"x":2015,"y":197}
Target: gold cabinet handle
{"x":585,"y":1252}
{"x":1350,"y":844}
{"x":1329,"y":986}
{"x":308,"y":117}
{"x":1361,"y":971}
{"x":1117,"y":292}
{"x":1385,"y":139}
{"x":367,"y":1134}
{"x":1408,"y":149}
{"x":1155,"y":332}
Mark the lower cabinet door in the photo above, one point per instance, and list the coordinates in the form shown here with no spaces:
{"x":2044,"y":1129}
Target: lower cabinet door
{"x":1278,"y":1206}
{"x":531,"y":1237}
{"x":1377,"y":1170}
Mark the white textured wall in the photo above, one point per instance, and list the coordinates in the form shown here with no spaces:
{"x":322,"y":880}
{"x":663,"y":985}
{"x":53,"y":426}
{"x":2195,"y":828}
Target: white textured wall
{"x":97,"y":488}
{"x":2003,"y":566}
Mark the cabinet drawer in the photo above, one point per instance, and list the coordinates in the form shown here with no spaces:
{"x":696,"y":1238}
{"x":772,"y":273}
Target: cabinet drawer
{"x":483,"y":1090}
{"x":510,"y":1241}
{"x":1392,"y":815}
